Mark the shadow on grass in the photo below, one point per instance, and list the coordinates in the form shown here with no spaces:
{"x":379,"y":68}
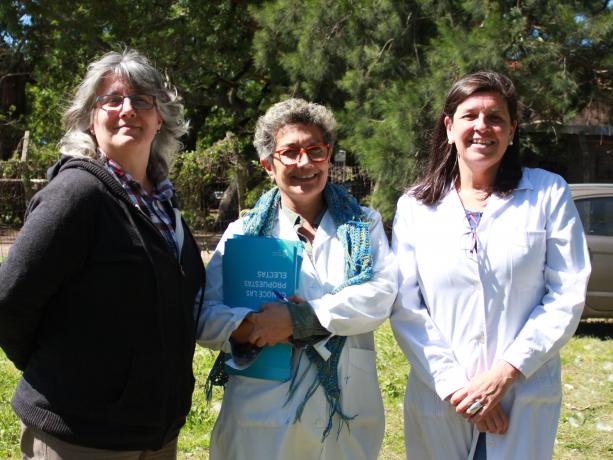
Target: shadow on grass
{"x":602,"y":329}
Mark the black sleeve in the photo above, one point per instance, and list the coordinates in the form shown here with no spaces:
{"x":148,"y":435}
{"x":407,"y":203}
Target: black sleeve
{"x":306,"y":328}
{"x":51,"y":246}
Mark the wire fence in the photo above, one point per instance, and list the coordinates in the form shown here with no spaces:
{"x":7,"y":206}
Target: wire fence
{"x":7,"y":236}
{"x":20,"y":181}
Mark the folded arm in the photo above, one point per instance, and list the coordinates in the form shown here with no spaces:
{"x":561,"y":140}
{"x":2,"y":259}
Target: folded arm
{"x":361,"y":308}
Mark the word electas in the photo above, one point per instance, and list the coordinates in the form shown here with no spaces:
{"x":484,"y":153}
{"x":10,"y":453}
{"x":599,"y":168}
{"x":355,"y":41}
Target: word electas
{"x":272,"y":275}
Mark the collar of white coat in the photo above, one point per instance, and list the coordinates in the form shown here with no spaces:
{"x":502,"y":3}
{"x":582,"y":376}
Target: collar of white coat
{"x":451,"y":198}
{"x":524,"y":183}
{"x":323,"y":235}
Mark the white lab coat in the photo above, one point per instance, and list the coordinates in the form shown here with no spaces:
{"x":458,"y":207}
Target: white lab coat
{"x":255,"y":421}
{"x":520,"y":301}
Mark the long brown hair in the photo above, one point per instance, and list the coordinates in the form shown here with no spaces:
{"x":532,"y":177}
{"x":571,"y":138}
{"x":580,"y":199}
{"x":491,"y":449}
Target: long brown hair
{"x":442,"y":169}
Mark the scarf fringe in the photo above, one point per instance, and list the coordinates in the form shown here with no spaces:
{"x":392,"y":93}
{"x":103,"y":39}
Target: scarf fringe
{"x":217,"y":376}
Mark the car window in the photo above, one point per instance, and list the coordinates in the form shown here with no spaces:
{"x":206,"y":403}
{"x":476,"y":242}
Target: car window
{"x":596,"y":215}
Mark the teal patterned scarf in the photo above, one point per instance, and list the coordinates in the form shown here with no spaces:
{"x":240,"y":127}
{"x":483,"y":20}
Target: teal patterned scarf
{"x":353,"y":231}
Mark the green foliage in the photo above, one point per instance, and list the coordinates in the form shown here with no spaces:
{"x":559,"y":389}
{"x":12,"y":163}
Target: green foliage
{"x":194,"y":182}
{"x":46,"y":106}
{"x":262,"y":186}
{"x":357,"y":57}
{"x":16,"y":188}
{"x":198,"y":174}
{"x":383,"y":66}
{"x":41,"y":158}
{"x":203,"y":47}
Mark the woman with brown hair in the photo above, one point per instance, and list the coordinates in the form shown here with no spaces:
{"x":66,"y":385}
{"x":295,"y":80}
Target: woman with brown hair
{"x":493,"y":268}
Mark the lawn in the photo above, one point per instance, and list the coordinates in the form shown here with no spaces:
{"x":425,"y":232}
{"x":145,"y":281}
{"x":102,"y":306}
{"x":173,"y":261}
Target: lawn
{"x":586,"y":423}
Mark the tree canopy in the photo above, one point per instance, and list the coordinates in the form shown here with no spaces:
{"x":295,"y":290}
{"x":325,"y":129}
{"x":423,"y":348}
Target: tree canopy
{"x":383,"y":66}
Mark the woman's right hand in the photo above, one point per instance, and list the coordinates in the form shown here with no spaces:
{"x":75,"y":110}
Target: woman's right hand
{"x":495,"y":421}
{"x":271,"y":325}
{"x":243,"y":331}
{"x":487,"y":388}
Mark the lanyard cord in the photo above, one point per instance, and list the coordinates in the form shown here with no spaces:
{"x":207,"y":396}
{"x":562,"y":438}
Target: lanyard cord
{"x":474,"y":217}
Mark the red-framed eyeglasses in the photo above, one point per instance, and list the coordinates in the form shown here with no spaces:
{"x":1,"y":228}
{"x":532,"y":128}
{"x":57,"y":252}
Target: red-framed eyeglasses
{"x":317,"y":153}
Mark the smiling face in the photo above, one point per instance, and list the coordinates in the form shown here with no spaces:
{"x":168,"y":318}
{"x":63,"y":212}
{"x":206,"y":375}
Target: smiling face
{"x":301,"y":186}
{"x":481,"y":129}
{"x":125,"y":135}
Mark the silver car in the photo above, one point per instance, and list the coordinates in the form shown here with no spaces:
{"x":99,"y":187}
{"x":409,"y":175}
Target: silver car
{"x":595,"y":205}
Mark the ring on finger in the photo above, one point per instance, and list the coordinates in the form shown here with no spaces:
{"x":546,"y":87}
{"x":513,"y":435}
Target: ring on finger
{"x":474,"y":408}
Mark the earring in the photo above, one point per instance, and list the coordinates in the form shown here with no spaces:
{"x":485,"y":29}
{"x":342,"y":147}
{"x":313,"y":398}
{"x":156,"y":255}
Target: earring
{"x":511,"y":142}
{"x":450,"y":141}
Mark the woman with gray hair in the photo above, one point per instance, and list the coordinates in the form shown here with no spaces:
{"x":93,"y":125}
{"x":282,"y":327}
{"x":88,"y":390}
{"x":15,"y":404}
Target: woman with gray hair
{"x":346,"y":288}
{"x":97,"y":294}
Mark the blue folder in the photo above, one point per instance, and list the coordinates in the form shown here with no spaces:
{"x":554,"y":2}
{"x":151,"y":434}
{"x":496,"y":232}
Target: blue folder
{"x":253,"y":267}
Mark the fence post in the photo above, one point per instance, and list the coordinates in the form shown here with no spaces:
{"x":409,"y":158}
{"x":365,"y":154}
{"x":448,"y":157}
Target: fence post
{"x":25,"y":175}
{"x":25,"y":145}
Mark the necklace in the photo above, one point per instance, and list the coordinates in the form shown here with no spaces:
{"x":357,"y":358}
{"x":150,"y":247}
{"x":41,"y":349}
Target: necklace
{"x":473,"y":214}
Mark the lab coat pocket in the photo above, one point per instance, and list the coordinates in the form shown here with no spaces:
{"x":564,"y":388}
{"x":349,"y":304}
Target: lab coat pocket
{"x":528,"y":241}
{"x":249,"y":403}
{"x":527,"y":255}
{"x":360,"y":392}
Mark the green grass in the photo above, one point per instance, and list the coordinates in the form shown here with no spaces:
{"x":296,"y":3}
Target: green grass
{"x":586,"y":422}
{"x":9,"y":425}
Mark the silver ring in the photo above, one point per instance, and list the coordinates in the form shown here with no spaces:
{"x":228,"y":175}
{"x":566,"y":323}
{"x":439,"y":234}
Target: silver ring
{"x":474,"y":408}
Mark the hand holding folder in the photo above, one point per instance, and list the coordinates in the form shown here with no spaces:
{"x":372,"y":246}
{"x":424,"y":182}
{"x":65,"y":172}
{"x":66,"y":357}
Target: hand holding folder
{"x":253,"y":268}
{"x":273,"y":324}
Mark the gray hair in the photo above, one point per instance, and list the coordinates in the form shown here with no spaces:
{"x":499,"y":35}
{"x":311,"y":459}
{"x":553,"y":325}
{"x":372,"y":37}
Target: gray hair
{"x":287,"y":112}
{"x":136,"y":70}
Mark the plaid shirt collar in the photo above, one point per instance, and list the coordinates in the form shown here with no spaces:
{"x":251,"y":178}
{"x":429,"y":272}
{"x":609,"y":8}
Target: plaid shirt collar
{"x":163,"y":191}
{"x":150,"y":204}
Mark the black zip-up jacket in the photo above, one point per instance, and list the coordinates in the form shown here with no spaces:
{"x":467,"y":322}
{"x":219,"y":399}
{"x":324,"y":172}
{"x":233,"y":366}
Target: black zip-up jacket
{"x":98,"y":313}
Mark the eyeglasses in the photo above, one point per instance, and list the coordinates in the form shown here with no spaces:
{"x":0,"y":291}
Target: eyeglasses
{"x":317,"y":153}
{"x":113,"y":102}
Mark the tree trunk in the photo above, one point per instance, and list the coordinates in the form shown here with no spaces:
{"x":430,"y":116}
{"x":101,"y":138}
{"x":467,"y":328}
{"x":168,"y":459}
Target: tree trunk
{"x":228,"y":206}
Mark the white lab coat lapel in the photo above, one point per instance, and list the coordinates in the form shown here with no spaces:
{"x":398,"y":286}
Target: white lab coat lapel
{"x":453,"y":215}
{"x":310,"y":267}
{"x":327,"y":251}
{"x":496,"y":204}
{"x":452,"y":206}
{"x":325,"y":232}
{"x":285,"y":227}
